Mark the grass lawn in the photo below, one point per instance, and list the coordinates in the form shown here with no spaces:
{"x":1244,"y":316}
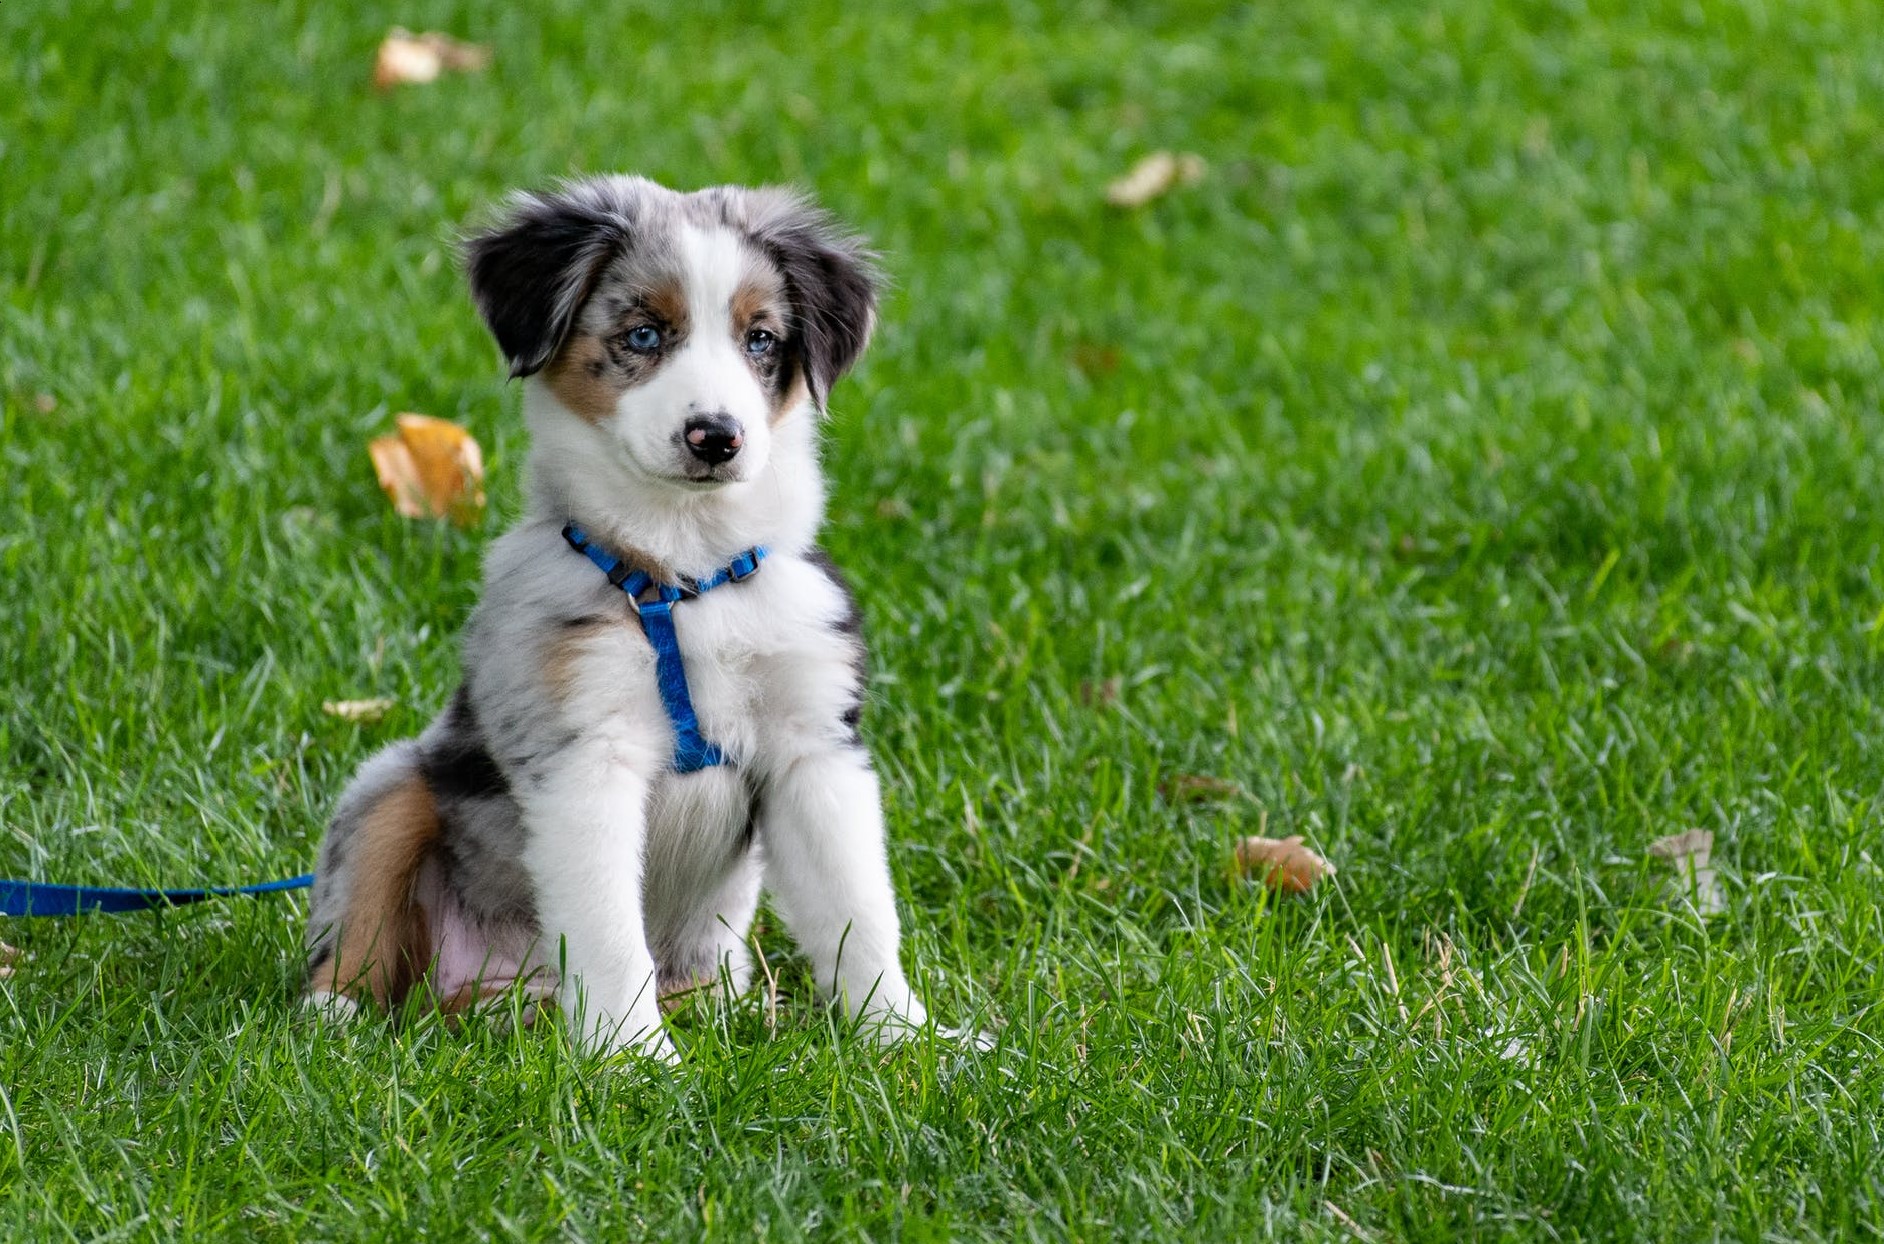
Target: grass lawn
{"x":1479,"y":469}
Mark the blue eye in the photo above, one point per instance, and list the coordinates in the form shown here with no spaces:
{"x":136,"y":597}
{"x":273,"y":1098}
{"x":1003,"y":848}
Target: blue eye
{"x":646,"y":339}
{"x":758,"y":341}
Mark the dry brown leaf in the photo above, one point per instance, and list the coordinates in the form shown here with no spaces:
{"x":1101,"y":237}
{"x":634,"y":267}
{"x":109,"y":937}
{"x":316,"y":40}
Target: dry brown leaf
{"x":367,"y":711}
{"x":9,"y":954}
{"x":1685,"y":845}
{"x":1282,"y":864}
{"x":406,"y":59}
{"x":1095,"y":360}
{"x":431,"y":468}
{"x":1157,"y":174}
{"x":1197,"y":788}
{"x":1689,"y":853}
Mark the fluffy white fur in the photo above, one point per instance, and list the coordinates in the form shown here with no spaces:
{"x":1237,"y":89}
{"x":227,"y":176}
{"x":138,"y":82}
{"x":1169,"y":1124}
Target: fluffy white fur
{"x":637,"y":873}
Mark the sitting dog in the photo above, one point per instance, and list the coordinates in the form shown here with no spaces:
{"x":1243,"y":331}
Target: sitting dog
{"x":661,"y":683}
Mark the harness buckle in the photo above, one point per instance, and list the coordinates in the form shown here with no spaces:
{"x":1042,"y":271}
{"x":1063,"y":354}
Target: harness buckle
{"x":743,"y":567}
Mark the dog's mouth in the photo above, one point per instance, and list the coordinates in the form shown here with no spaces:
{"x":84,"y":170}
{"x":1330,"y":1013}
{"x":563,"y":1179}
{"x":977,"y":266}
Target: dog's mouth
{"x":707,"y":479}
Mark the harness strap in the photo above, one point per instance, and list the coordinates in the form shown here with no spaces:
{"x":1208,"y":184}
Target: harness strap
{"x":692,"y":751}
{"x":40,"y":898}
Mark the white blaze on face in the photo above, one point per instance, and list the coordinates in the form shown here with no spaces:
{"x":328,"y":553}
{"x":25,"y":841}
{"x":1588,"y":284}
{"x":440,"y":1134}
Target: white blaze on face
{"x":708,"y":375}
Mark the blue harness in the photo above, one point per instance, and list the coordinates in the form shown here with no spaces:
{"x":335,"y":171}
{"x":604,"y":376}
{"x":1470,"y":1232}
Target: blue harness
{"x":692,"y":752}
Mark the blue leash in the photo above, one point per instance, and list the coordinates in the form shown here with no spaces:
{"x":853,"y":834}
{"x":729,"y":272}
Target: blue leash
{"x":39,"y":898}
{"x":692,"y":752}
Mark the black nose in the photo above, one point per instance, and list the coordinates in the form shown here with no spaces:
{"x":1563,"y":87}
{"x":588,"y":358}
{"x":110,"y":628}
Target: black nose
{"x":714,"y":438}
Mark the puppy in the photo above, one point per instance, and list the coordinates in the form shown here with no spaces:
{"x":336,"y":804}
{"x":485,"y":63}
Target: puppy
{"x":567,"y":825}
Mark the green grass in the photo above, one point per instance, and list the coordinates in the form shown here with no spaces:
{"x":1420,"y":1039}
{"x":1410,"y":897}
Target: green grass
{"x":1480,"y":468}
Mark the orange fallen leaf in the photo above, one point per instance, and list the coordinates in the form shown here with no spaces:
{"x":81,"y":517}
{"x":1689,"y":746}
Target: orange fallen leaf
{"x":405,"y":58}
{"x":1282,"y":864}
{"x":431,"y":468}
{"x":358,"y":710}
{"x":1157,"y":174}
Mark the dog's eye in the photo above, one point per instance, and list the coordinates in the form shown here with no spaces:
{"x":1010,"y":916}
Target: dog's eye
{"x":645,"y":338}
{"x":758,"y":341}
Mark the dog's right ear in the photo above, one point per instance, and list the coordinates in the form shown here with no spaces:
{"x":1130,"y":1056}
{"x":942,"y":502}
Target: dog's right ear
{"x":532,"y":272}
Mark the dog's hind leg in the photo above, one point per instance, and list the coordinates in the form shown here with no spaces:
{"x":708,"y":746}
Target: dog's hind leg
{"x":709,"y":952}
{"x":367,"y":935}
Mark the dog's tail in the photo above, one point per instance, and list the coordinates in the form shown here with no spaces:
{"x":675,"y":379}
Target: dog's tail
{"x":368,"y":935}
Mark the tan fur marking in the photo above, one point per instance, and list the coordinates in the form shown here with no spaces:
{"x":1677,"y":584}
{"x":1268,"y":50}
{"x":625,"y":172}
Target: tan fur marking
{"x":583,"y":378}
{"x":796,"y":394}
{"x":750,"y":301}
{"x":562,"y":664}
{"x":384,"y":939}
{"x":666,"y":302}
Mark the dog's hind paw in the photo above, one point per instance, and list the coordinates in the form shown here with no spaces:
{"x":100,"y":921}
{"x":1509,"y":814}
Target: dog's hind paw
{"x":335,"y":1007}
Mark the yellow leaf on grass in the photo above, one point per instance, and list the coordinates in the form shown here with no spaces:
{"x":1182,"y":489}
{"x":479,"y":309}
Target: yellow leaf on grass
{"x":1157,"y":174}
{"x":1689,"y":853}
{"x":358,"y":710}
{"x":431,"y":468}
{"x":1282,"y":864}
{"x":405,"y":58}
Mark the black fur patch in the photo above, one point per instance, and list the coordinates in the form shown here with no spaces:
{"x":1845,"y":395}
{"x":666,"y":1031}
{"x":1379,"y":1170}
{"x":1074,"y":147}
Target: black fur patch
{"x":832,"y":285}
{"x":459,"y":766}
{"x":531,"y":274}
{"x":851,"y":626}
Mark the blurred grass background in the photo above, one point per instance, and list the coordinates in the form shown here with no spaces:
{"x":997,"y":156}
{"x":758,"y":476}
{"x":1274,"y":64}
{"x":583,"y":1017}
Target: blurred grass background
{"x":1476,"y":469}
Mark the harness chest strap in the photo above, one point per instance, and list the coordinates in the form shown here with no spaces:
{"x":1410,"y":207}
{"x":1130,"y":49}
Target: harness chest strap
{"x":692,"y":751}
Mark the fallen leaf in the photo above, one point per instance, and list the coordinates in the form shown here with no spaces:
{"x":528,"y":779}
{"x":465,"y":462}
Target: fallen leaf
{"x":1282,"y":864}
{"x":1198,"y":788}
{"x":9,"y":954}
{"x":1101,"y":694}
{"x":367,"y":711}
{"x":431,"y":468}
{"x":1688,"y":853}
{"x":408,"y":59}
{"x":1157,"y":174}
{"x":1095,"y":360}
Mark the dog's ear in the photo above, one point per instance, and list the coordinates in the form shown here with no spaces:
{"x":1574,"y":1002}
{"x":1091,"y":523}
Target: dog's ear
{"x":831,"y":279}
{"x":531,"y":273}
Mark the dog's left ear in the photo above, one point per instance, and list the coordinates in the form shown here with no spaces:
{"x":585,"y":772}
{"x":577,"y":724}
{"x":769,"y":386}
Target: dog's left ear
{"x":531,"y":273}
{"x":831,"y":279}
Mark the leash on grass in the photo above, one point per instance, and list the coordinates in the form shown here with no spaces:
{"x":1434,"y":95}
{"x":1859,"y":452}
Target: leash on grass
{"x":692,"y":752}
{"x":41,"y":898}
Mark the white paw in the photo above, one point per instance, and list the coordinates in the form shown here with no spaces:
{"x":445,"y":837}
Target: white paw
{"x":892,"y":1028}
{"x":334,"y":1007}
{"x":975,"y":1039}
{"x":638,"y":1037}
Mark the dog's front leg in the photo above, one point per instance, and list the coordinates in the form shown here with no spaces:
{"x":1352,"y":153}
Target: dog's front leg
{"x":586,"y":823}
{"x":829,"y":878}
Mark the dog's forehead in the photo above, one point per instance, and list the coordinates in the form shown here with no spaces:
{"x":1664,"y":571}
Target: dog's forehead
{"x":698,"y":246}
